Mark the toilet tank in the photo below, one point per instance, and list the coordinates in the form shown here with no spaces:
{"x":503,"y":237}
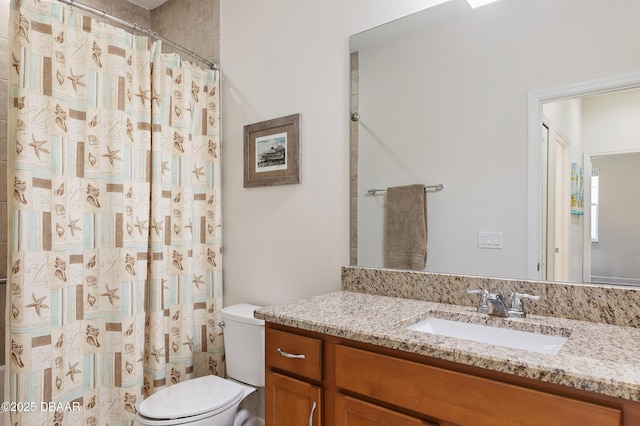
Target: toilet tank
{"x":244,"y":344}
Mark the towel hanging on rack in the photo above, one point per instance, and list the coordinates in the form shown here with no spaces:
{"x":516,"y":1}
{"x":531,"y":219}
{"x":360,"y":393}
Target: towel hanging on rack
{"x":406,"y":227}
{"x":433,"y":188}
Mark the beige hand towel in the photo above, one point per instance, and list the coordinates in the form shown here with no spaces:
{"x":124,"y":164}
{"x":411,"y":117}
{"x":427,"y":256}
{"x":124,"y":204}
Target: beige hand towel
{"x":406,"y":217}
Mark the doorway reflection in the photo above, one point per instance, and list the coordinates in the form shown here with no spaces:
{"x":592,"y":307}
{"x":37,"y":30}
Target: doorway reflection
{"x":601,"y":242}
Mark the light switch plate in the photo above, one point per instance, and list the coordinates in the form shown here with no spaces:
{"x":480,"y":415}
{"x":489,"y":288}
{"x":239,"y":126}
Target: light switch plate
{"x":491,"y":240}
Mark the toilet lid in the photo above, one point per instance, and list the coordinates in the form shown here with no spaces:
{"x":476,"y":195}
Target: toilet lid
{"x":191,"y":398}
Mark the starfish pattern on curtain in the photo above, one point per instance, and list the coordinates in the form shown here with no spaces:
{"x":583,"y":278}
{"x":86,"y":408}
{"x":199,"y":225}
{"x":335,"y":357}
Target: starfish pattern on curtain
{"x":116,"y":279}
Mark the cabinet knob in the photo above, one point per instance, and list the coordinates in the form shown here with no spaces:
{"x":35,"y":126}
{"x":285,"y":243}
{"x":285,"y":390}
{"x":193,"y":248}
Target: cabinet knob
{"x":288,"y":355}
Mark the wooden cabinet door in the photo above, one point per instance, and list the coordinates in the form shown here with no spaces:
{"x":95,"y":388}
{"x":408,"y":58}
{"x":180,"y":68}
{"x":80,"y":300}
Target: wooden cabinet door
{"x":353,"y":412}
{"x":458,"y":397}
{"x":291,"y":402}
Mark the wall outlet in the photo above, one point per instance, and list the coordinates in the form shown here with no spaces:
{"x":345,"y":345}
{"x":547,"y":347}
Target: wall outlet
{"x":491,"y":240}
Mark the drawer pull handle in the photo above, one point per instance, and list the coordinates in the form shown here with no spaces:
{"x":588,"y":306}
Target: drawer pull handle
{"x":288,"y":355}
{"x":313,"y":409}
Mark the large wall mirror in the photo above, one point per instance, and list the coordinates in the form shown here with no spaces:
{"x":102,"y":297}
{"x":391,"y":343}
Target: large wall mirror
{"x":508,"y":106}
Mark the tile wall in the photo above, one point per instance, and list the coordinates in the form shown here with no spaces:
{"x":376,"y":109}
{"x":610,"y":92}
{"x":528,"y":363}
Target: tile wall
{"x":202,"y":17}
{"x":122,"y":9}
{"x":353,"y":172}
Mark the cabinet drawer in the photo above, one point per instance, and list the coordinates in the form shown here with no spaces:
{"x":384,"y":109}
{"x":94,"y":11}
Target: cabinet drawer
{"x":353,"y":412}
{"x":294,"y":354}
{"x":460,"y":398}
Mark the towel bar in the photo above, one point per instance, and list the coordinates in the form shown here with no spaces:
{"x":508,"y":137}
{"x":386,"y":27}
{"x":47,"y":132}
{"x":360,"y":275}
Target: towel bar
{"x":434,"y":188}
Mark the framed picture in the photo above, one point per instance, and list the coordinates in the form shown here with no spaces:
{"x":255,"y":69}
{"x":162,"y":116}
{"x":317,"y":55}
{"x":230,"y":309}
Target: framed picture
{"x":272,"y":152}
{"x":577,"y":189}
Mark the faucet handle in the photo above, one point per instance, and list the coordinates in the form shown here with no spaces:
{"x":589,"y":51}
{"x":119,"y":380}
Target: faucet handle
{"x":483,"y":306}
{"x":516,"y":303}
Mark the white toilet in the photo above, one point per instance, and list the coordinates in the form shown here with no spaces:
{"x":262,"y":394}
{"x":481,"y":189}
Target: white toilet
{"x":212,"y":400}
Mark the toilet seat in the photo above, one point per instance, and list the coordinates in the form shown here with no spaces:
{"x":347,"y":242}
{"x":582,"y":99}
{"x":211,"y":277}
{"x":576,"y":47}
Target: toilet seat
{"x":190,"y":401}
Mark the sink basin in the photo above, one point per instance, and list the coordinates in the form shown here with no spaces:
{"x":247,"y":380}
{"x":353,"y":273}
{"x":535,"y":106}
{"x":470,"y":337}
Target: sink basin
{"x":516,"y":339}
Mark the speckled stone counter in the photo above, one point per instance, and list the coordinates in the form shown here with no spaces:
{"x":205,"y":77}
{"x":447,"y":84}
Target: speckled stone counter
{"x":596,"y":303}
{"x":598,"y":357}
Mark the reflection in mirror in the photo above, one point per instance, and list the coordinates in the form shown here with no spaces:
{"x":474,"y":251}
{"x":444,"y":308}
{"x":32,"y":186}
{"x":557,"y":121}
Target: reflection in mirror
{"x":594,"y":137}
{"x":615,"y":249}
{"x":446,"y":102}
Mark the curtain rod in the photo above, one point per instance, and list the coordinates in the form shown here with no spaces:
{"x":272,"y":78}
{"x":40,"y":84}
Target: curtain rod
{"x":141,"y":29}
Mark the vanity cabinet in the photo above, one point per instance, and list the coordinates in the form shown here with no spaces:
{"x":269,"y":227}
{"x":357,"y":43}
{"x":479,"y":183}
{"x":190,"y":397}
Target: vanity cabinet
{"x":358,"y":384}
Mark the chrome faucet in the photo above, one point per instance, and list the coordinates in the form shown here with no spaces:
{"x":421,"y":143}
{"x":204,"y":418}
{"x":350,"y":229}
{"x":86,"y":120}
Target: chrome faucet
{"x":497,"y":305}
{"x":494,"y":304}
{"x":483,"y":306}
{"x":516,"y":309}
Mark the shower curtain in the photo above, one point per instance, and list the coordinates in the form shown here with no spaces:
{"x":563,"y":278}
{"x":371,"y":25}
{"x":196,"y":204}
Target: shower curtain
{"x":115,"y":229}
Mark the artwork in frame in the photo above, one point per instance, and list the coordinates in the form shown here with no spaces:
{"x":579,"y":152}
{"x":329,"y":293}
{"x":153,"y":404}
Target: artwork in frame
{"x":272,"y":152}
{"x":577,"y":190}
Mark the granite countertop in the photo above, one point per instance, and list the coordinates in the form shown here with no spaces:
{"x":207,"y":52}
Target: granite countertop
{"x":597,"y":357}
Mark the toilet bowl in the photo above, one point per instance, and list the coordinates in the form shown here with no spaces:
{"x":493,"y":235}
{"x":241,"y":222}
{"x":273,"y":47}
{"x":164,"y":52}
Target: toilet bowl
{"x":212,"y":400}
{"x":208,"y":400}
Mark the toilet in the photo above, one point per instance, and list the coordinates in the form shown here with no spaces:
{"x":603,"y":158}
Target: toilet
{"x":212,"y":400}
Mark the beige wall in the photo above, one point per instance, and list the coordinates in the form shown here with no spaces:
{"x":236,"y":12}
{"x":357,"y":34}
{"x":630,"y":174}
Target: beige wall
{"x":278,"y":58}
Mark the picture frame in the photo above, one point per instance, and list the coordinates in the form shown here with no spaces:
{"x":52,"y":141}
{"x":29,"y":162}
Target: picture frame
{"x":272,"y":152}
{"x":577,"y":189}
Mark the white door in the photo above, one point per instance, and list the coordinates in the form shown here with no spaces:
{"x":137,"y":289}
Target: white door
{"x":556,"y":205}
{"x":562,"y":209}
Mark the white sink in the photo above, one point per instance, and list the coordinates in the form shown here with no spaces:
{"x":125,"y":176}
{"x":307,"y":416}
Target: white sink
{"x":516,"y":339}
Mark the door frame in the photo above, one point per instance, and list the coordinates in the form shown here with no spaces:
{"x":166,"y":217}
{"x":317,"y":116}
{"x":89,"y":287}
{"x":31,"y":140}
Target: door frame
{"x":535,"y":100}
